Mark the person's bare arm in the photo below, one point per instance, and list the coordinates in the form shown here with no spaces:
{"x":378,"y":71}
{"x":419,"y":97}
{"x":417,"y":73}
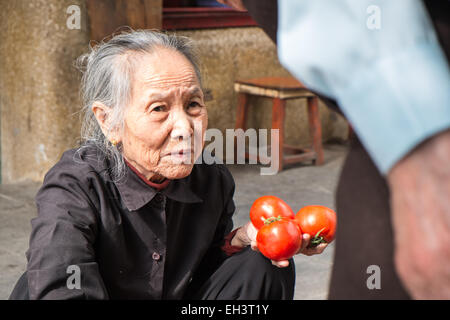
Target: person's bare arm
{"x":420,"y":203}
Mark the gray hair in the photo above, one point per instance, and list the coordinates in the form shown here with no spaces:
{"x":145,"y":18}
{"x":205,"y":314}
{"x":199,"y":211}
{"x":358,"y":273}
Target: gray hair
{"x":107,"y":75}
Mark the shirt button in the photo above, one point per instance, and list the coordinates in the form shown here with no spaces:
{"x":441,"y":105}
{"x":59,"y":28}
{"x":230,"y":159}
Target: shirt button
{"x":156,"y":256}
{"x":159,"y":198}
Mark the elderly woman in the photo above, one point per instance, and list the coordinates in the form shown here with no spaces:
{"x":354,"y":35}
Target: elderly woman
{"x":128,"y":215}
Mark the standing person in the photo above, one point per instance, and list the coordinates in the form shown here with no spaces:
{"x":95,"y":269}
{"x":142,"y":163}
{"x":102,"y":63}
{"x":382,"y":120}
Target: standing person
{"x":393,"y":84}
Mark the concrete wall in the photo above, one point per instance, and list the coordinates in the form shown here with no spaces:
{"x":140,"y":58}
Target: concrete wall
{"x":39,"y":85}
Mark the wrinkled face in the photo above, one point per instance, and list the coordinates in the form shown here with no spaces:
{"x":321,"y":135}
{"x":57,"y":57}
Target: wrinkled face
{"x":166,"y":118}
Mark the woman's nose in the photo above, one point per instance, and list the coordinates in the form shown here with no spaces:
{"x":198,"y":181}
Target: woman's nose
{"x":182,"y":128}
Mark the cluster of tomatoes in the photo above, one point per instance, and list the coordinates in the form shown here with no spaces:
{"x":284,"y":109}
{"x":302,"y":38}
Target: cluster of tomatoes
{"x":280,"y":230}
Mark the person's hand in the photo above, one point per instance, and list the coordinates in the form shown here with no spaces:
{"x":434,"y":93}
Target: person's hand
{"x":247,"y":236}
{"x":420,"y":204}
{"x":303,"y":250}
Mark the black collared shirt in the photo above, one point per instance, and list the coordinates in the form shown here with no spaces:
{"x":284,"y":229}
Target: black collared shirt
{"x":125,"y":240}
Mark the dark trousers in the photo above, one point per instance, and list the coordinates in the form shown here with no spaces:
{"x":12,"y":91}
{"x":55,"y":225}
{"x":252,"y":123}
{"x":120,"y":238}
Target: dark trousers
{"x":364,"y":235}
{"x":246,"y":275}
{"x":20,"y":291}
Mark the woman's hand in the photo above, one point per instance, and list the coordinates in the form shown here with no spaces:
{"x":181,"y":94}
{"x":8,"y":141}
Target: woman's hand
{"x":246,"y":235}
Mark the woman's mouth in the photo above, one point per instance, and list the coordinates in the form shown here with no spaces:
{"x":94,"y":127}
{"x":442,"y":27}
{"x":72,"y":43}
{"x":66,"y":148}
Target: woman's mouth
{"x":181,"y":152}
{"x":181,"y":155}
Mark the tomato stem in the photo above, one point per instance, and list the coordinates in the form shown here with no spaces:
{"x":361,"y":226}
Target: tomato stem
{"x":272,"y":219}
{"x":317,"y":239}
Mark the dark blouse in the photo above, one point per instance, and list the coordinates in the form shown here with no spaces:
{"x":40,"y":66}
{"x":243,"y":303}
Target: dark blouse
{"x":129,"y":240}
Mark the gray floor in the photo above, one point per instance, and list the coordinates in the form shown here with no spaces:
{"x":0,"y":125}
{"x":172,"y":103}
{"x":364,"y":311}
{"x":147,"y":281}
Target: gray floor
{"x":298,"y":185}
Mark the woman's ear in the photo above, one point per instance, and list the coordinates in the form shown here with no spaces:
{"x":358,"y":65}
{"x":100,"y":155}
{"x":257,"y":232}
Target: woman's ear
{"x":101,"y":113}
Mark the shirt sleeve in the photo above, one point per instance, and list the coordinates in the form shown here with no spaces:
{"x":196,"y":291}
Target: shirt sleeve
{"x":381,"y":60}
{"x":61,"y":256}
{"x":227,"y":247}
{"x":217,"y":252}
{"x":225,"y":224}
{"x":229,"y":209}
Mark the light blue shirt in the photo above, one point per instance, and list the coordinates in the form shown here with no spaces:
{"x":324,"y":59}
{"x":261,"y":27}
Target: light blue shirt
{"x":380,"y":59}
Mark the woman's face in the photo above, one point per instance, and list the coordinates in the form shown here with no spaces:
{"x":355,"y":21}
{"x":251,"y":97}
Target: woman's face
{"x":166,"y":118}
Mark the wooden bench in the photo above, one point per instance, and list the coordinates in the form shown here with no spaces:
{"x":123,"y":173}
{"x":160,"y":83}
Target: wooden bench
{"x":280,"y":89}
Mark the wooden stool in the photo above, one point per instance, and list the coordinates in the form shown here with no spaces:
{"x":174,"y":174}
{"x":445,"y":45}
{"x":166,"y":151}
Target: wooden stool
{"x":281,"y":89}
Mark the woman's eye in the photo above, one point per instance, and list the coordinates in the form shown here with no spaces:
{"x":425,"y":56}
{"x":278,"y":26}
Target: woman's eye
{"x":158,"y":108}
{"x":194,"y":108}
{"x":194,"y":104}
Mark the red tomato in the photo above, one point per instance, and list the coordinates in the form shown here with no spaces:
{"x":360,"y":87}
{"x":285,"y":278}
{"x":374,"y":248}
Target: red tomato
{"x":268,"y":207}
{"x":280,"y":239}
{"x":319,"y":222}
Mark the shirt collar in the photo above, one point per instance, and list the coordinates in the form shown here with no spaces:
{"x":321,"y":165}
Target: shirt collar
{"x":136,"y":193}
{"x":157,"y":186}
